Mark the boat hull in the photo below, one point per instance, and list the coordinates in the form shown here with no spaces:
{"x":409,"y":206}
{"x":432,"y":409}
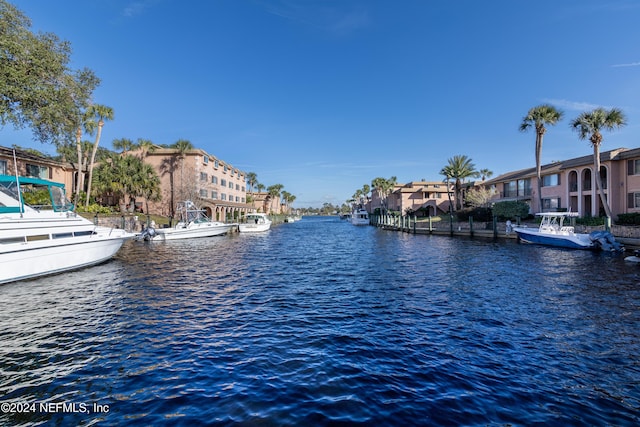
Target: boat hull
{"x":575,"y":241}
{"x":35,"y":259}
{"x":201,"y":230}
{"x":360,"y":217}
{"x":254,"y":228}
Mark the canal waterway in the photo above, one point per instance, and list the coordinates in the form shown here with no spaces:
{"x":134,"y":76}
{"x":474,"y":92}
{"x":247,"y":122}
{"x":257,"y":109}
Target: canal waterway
{"x":320,"y":322}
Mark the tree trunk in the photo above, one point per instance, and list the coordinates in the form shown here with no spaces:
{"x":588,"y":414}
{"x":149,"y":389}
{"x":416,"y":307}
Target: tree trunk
{"x":596,"y":165}
{"x":92,"y":161}
{"x":539,"y":169}
{"x":79,"y":178}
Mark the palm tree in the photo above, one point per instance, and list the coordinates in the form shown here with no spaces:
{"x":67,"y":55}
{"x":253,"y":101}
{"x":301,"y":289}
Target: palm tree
{"x":589,"y":125}
{"x":168,"y":167}
{"x":365,"y":191}
{"x":183,"y":146}
{"x":260,"y":187}
{"x":124,"y":144}
{"x":357,"y":196}
{"x":485,"y":173}
{"x":145,"y":146}
{"x":459,"y":168}
{"x":538,"y":117}
{"x":252,"y":180}
{"x":275,"y":190}
{"x":384,"y":187}
{"x":448,"y":176}
{"x":147,"y":184}
{"x":95,"y":116}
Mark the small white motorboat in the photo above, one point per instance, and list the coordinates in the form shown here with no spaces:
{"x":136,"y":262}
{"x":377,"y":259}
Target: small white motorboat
{"x":553,"y":232}
{"x":255,"y":222}
{"x":360,"y":217}
{"x":193,"y":223}
{"x":40,"y":233}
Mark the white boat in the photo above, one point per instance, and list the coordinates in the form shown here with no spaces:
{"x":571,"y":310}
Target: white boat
{"x":192,"y":223}
{"x":360,"y":217}
{"x":40,"y":234}
{"x":553,"y":232}
{"x":256,"y":222}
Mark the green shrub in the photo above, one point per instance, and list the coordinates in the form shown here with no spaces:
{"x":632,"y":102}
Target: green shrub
{"x":590,"y":220}
{"x":510,"y":210}
{"x":94,"y":208}
{"x":478,"y":214}
{"x":628,"y":219}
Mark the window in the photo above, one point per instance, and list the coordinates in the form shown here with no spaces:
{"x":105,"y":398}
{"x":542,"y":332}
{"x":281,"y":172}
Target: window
{"x":231,"y":185}
{"x":203,"y":193}
{"x":519,"y":188}
{"x":223,"y":196}
{"x":634,"y":201}
{"x":550,"y":180}
{"x":205,"y":160}
{"x":216,"y":163}
{"x":214,"y":195}
{"x":203,"y":176}
{"x":237,"y":198}
{"x":552,"y":204}
{"x":226,"y":168}
{"x":237,"y":187}
{"x":223,"y":182}
{"x":633,"y":167}
{"x":509,"y":189}
{"x":38,"y":171}
{"x":3,"y":167}
{"x":214,"y":179}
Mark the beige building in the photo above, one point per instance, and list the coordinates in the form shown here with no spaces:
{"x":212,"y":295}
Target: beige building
{"x":213,"y":184}
{"x":421,"y":198}
{"x":263,"y":202}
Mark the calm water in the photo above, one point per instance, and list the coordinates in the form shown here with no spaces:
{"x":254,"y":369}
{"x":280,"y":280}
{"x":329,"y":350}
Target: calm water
{"x":323,"y":323}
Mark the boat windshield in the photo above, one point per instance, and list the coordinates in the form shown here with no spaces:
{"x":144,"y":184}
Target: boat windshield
{"x":42,"y":197}
{"x":39,"y":196}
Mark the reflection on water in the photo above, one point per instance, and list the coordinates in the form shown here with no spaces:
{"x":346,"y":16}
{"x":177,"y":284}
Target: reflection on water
{"x":319,"y":322}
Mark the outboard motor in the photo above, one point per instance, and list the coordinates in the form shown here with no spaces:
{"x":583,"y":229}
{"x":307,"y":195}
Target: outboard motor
{"x":148,"y":234}
{"x":605,"y":241}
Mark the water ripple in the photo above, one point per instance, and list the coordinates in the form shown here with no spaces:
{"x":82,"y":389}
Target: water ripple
{"x":322,"y":323}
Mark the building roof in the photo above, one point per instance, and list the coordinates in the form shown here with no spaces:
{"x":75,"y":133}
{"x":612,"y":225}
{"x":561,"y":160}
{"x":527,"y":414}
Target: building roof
{"x":555,"y":167}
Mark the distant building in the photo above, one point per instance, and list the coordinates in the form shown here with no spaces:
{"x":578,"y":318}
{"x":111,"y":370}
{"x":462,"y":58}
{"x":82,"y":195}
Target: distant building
{"x":420,"y":198}
{"x":263,"y":202}
{"x":571,"y":184}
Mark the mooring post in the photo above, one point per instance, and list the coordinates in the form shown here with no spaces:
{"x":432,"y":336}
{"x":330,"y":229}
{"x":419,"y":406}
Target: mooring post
{"x":495,"y":227}
{"x":470,"y":226}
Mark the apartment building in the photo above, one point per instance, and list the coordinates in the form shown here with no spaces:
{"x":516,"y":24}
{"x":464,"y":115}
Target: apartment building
{"x":217,"y":186}
{"x":421,"y":198}
{"x":33,"y":165}
{"x":571,"y":184}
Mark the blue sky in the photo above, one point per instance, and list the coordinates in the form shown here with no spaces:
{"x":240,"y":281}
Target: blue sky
{"x":324,"y":96}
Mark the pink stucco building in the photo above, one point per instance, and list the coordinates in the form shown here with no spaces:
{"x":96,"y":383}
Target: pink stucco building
{"x":215,"y":185}
{"x":418,"y":197}
{"x":571,"y":184}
